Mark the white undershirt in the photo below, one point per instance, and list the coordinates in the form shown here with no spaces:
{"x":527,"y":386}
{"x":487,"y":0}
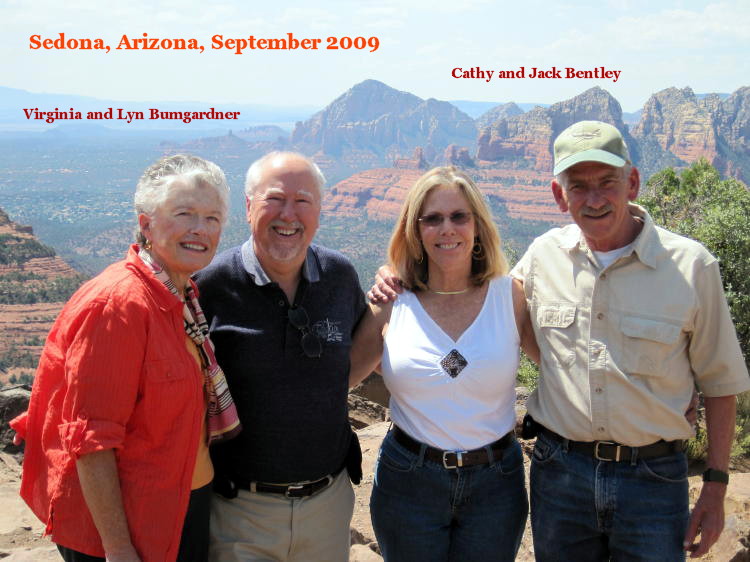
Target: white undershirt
{"x":608,"y":258}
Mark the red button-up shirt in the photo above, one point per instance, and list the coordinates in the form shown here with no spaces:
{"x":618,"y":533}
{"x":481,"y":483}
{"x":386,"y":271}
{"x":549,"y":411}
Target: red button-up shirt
{"x":115,"y":374}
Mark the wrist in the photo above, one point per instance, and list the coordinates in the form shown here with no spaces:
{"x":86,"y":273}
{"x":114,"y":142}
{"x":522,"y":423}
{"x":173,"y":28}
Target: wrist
{"x":716,"y":476}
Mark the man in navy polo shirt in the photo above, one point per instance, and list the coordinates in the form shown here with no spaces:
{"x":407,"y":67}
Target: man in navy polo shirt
{"x":281,"y":312}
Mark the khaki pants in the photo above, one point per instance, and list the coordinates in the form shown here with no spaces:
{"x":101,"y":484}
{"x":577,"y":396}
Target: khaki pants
{"x":258,"y":526}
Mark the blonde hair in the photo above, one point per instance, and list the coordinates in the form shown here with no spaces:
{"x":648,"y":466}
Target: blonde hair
{"x":405,"y":250}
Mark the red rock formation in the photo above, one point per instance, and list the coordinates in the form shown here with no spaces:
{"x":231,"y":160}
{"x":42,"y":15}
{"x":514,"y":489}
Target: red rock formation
{"x":525,"y":141}
{"x":379,"y":193}
{"x":680,"y":124}
{"x":25,"y":326}
{"x":498,"y":113}
{"x":375,"y":194}
{"x":46,"y":267}
{"x":416,"y":162}
{"x":374,"y":117}
{"x":458,"y":156}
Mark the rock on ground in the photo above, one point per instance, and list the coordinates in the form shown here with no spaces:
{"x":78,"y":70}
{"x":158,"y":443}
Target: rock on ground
{"x":13,"y":401}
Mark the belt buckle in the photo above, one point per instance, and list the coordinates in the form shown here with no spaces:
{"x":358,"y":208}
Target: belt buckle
{"x":293,"y":488}
{"x":600,"y":458}
{"x":459,"y":459}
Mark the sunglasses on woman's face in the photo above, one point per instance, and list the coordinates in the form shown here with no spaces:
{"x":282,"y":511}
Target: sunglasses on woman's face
{"x":311,"y":345}
{"x":436,"y":219}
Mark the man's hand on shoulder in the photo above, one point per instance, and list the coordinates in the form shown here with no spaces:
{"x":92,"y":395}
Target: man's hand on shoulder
{"x":386,"y":288}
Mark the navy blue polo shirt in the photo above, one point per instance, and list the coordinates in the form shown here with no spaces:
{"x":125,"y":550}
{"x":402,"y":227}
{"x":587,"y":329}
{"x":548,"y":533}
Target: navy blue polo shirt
{"x":293,"y":408}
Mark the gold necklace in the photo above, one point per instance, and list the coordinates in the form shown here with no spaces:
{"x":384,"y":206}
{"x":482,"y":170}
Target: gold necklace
{"x":462,"y":291}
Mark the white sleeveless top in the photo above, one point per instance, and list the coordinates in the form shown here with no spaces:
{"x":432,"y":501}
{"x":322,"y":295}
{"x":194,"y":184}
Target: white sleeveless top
{"x":477,"y":405}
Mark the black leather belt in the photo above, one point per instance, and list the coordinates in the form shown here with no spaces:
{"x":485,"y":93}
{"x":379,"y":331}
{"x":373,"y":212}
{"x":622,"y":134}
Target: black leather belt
{"x":228,"y":487}
{"x":611,"y":451}
{"x":292,"y":490}
{"x":454,"y":459}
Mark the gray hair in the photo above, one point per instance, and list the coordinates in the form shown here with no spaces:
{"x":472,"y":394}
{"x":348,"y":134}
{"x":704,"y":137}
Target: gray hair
{"x":562,"y":177}
{"x":254,"y":172}
{"x":154,"y":184}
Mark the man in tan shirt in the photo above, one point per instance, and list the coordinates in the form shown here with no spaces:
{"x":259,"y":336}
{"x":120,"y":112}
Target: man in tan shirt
{"x":629,"y":317}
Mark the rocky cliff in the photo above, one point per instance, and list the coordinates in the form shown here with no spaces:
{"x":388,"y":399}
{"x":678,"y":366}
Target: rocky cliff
{"x":386,"y":123}
{"x":677,"y":128}
{"x":503,"y":111}
{"x":378,"y":194}
{"x":34,"y":283}
{"x":374,"y":194}
{"x":674,"y":122}
{"x":525,"y":140}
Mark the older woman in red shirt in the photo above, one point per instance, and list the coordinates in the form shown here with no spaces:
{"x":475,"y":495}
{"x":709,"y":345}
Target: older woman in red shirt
{"x":128,"y":394}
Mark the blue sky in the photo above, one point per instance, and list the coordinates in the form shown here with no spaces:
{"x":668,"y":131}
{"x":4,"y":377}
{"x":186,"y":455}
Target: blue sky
{"x":703,"y":45}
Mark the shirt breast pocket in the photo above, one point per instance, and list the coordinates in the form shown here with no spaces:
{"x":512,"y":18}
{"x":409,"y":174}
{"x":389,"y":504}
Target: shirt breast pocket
{"x":163,"y":370}
{"x":556,"y":321}
{"x":647,"y":344}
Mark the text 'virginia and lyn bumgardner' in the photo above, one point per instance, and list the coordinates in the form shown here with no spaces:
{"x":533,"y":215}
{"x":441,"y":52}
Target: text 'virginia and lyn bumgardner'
{"x":128,"y":116}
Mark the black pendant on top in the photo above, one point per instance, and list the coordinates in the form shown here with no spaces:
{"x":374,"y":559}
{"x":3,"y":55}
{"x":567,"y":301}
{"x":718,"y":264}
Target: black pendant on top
{"x":453,"y":363}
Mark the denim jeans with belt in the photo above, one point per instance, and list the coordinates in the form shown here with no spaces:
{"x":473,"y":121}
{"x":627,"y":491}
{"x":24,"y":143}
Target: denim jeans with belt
{"x":422,"y":511}
{"x":584,"y":509}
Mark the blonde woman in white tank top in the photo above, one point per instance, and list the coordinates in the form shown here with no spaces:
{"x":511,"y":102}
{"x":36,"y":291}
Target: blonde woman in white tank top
{"x":449,"y":481}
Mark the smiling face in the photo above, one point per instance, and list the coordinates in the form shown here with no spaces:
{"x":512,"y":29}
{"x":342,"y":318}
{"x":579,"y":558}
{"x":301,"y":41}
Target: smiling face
{"x":184,"y":229}
{"x":597,"y":197}
{"x":448,"y":245}
{"x":284,"y":213}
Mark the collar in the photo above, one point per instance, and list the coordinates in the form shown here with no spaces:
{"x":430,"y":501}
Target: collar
{"x":646,"y":245}
{"x":310,"y":267}
{"x":163,"y":296}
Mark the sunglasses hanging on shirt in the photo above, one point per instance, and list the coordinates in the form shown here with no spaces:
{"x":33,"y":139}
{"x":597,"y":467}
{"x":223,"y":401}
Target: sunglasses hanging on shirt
{"x":311,"y":344}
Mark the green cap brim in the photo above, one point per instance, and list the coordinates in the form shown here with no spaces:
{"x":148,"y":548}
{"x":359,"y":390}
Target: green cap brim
{"x":590,"y":155}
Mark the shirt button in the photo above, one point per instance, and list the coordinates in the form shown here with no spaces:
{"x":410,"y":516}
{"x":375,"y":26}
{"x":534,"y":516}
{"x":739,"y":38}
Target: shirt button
{"x":600,"y":429}
{"x":281,"y":303}
{"x":603,"y":276}
{"x":600,"y":316}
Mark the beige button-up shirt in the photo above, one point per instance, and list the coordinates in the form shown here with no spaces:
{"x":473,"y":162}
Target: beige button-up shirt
{"x":622,"y":346}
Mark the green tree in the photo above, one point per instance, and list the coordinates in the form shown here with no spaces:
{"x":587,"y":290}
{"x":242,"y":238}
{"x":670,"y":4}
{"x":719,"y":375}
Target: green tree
{"x":702,"y":206}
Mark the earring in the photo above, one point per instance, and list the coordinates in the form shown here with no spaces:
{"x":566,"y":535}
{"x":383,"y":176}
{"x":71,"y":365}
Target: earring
{"x":147,"y":245}
{"x":421,"y":257}
{"x":477,"y":252}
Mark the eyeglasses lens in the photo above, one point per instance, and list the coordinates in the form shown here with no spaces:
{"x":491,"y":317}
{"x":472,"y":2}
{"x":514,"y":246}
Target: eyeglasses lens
{"x":436,"y":219}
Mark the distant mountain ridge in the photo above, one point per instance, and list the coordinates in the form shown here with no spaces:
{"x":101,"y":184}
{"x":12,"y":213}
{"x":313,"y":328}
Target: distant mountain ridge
{"x":513,"y":155}
{"x":373,"y":125}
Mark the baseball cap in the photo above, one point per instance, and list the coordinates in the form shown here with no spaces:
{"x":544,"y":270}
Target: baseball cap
{"x":589,"y":141}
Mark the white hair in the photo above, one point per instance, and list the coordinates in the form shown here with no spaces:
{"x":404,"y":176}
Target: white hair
{"x":154,"y":184}
{"x":255,"y":171}
{"x":562,"y":177}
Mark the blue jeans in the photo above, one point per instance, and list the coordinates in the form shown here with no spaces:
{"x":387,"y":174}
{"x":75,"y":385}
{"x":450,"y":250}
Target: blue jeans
{"x":423,"y":511}
{"x":583,"y":509}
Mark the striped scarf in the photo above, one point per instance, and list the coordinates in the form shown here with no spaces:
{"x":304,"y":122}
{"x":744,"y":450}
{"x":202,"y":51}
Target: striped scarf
{"x":223,"y":422}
